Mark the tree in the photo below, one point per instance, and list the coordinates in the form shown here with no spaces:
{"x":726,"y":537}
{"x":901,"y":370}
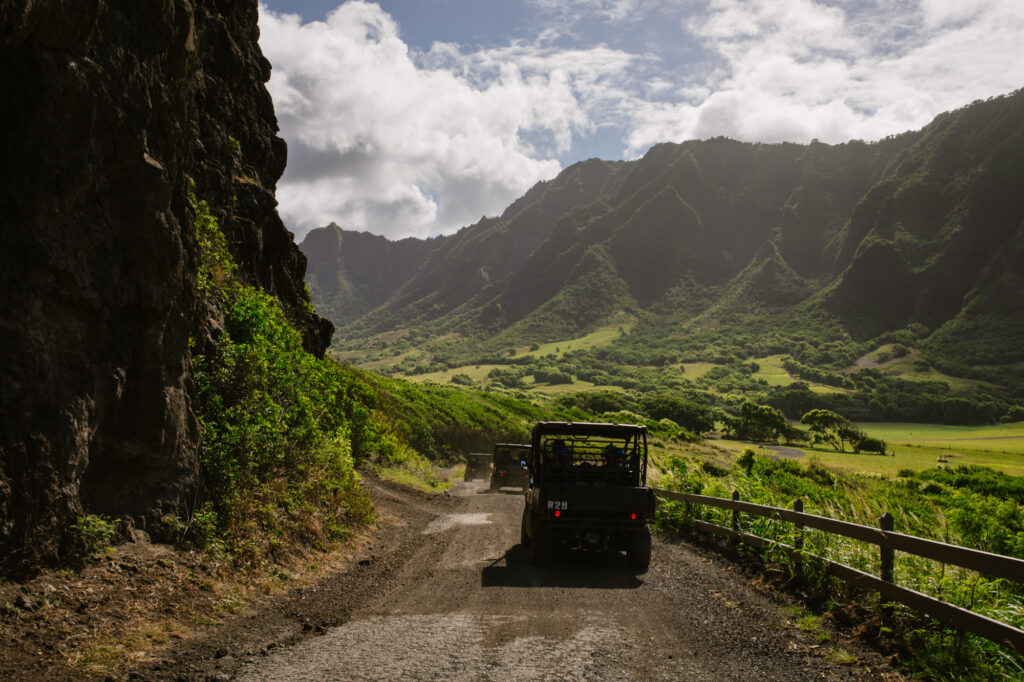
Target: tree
{"x":509,"y":378}
{"x":832,"y":429}
{"x":758,"y":422}
{"x":824,"y":426}
{"x":868,"y":444}
{"x":552,"y":376}
{"x":793,"y":434}
{"x":690,"y":415}
{"x":847,"y":432}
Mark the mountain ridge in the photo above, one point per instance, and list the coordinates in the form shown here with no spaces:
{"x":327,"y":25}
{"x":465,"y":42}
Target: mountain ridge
{"x":874,"y":236}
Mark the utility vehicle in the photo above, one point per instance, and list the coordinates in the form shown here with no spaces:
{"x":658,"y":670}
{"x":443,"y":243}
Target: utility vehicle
{"x":588,"y":490}
{"x":509,"y":470}
{"x":478,"y":465}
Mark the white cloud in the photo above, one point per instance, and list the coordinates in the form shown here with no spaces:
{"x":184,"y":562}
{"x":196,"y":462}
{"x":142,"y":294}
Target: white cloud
{"x":799,"y":69}
{"x":407,"y":143}
{"x":379,"y":144}
{"x":939,"y":12}
{"x":570,"y":11}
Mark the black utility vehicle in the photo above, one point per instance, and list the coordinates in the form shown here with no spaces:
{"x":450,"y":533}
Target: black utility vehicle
{"x":588,"y":490}
{"x":478,"y":465}
{"x":509,"y":469}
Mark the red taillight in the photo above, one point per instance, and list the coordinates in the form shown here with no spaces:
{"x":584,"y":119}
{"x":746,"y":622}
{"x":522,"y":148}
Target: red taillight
{"x":558,"y":512}
{"x":632,"y":517}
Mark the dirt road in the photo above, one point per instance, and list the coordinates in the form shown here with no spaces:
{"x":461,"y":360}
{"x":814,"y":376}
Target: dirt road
{"x":461,"y":601}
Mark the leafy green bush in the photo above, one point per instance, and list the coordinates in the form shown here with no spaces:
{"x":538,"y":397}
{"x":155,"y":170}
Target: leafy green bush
{"x":978,"y":479}
{"x":816,"y":374}
{"x":509,"y":378}
{"x":278,"y":425}
{"x":552,"y":376}
{"x":686,"y":413}
{"x":92,"y":535}
{"x":276,"y":453}
{"x":869,"y":444}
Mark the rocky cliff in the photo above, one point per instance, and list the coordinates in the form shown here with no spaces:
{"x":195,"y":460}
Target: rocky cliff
{"x":117,"y":115}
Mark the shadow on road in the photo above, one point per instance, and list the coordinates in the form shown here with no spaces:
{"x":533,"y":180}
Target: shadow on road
{"x":607,"y":571}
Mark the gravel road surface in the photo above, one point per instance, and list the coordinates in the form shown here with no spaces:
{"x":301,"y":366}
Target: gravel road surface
{"x":455,"y":597}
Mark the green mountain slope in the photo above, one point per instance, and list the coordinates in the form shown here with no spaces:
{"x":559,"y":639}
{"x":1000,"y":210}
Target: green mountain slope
{"x":451,"y":270}
{"x":824,"y":243}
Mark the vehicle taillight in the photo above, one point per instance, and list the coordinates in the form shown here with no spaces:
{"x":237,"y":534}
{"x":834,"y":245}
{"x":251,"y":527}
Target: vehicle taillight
{"x":632,"y":517}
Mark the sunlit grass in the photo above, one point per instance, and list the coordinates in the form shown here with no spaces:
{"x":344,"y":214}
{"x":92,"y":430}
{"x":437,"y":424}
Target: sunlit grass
{"x":999,"y":437}
{"x":774,"y":374}
{"x":772,"y":370}
{"x":909,"y":367}
{"x":924,"y":511}
{"x":695,"y":370}
{"x":601,"y":337}
{"x":561,"y":389}
{"x":477,"y":373}
{"x":411,"y":479}
{"x":918,"y":459}
{"x":921,"y":446}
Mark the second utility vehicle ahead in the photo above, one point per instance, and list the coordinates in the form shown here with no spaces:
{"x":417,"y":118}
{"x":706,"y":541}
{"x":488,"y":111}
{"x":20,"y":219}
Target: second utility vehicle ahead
{"x":509,"y":468}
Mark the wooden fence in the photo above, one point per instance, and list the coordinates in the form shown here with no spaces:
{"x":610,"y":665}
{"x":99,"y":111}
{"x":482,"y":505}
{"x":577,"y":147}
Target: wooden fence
{"x":888,"y":541}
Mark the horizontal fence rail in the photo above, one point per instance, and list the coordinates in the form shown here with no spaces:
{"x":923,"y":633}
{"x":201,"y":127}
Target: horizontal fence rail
{"x":995,"y":565}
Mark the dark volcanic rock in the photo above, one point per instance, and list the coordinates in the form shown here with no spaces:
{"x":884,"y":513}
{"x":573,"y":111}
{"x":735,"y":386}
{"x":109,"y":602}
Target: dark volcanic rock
{"x":240,"y":159}
{"x":111,"y":110}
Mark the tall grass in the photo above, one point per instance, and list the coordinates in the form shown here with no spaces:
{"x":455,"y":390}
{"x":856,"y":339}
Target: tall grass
{"x":966,"y":515}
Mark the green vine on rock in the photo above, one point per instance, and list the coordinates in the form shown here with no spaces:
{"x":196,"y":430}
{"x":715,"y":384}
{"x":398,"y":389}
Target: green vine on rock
{"x":216,"y":266}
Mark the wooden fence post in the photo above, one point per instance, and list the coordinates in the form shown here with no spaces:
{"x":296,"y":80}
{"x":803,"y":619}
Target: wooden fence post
{"x":735,"y":518}
{"x":888,"y":557}
{"x":798,"y":540}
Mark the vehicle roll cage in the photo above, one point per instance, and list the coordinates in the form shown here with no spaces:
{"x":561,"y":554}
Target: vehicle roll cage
{"x":583,"y":452}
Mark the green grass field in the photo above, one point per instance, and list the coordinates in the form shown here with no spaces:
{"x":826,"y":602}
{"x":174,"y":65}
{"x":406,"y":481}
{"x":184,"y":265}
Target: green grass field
{"x":602,"y":337}
{"x":772,"y":370}
{"x":775,"y":374}
{"x":908,"y":367}
{"x":477,"y":373}
{"x":1012,"y":434}
{"x":922,"y":446}
{"x":695,"y":370}
{"x":918,"y":458}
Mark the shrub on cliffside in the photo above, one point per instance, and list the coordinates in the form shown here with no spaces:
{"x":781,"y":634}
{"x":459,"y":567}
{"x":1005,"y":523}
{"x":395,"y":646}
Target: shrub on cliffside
{"x":277,"y":425}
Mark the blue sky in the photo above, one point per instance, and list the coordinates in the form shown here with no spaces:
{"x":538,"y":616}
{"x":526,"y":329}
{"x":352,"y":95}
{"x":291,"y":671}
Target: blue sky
{"x":417,"y":117}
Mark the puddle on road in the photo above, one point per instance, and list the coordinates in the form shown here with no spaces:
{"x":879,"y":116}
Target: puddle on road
{"x":451,"y":520}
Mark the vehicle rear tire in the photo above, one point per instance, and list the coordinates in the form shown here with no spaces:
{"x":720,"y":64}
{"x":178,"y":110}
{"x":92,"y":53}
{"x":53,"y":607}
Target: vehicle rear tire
{"x":639,"y":553}
{"x":541,"y":547}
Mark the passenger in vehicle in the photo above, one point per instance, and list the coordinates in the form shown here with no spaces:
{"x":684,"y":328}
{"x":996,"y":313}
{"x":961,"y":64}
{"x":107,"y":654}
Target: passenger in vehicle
{"x":561,"y":453}
{"x":613,"y":456}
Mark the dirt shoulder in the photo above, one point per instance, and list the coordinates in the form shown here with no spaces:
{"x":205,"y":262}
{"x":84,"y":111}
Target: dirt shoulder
{"x":151,"y":611}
